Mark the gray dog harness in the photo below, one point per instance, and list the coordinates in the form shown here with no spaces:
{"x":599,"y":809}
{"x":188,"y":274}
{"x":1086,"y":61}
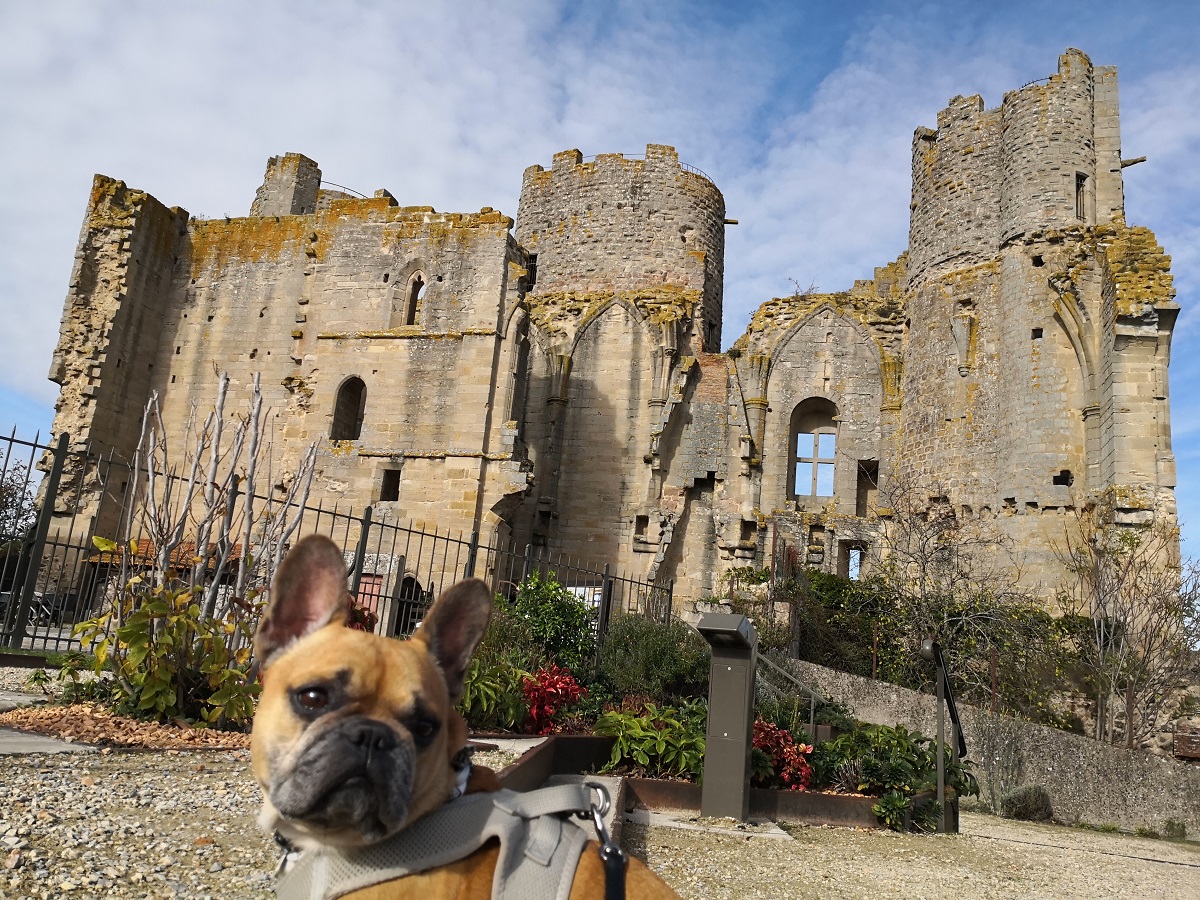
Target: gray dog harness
{"x":540,"y":846}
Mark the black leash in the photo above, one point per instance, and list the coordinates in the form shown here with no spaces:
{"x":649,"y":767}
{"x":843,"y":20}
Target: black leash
{"x":612,"y":857}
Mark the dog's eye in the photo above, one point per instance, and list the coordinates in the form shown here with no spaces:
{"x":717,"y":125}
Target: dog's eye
{"x":423,"y":730}
{"x":312,"y":698}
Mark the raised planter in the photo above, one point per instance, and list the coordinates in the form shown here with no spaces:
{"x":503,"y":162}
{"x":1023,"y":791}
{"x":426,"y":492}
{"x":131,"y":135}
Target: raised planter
{"x":577,"y":754}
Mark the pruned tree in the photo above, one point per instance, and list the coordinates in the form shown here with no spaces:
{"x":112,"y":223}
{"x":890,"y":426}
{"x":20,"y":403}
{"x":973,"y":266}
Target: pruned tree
{"x":1136,"y":606}
{"x":933,"y":572}
{"x":204,"y":529}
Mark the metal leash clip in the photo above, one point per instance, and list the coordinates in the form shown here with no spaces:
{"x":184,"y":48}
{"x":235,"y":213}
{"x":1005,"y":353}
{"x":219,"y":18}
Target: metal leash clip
{"x":612,"y":857}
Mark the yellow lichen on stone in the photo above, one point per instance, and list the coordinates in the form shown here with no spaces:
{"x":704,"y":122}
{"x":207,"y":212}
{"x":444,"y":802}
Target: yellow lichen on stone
{"x":1141,"y":272}
{"x":218,"y":243}
{"x":555,"y":311}
{"x":112,"y":204}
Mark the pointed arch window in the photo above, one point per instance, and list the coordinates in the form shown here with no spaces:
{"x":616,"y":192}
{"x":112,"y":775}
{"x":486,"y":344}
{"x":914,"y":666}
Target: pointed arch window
{"x":348,"y":410}
{"x":813,"y":449}
{"x":415,"y":293}
{"x":406,"y":299}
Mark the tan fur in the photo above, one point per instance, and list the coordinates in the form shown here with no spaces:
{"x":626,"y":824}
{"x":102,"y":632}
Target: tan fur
{"x":382,"y":680}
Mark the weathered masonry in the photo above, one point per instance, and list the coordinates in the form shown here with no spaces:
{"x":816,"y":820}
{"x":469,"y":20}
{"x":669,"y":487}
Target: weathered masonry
{"x":559,"y":380}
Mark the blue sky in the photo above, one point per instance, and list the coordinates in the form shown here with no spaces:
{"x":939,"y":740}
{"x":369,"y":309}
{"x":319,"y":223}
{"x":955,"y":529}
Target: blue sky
{"x":802,"y":113}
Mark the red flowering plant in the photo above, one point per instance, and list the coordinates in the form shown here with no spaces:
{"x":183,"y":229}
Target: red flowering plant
{"x":778,"y":760}
{"x":361,"y":618}
{"x":549,"y":691}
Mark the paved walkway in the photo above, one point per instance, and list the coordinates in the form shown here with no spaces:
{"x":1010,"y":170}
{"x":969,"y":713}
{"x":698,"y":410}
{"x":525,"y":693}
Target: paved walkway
{"x":12,"y":742}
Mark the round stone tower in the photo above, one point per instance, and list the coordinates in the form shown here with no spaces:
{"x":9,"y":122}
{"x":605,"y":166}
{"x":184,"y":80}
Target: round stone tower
{"x":628,"y":227}
{"x":1048,"y":161}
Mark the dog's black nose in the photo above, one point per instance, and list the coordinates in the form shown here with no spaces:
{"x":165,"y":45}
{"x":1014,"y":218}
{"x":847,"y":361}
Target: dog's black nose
{"x":372,"y":736}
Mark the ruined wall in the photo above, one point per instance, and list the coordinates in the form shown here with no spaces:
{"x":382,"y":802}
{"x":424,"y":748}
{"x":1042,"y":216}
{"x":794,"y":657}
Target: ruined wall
{"x":112,"y":319}
{"x":562,"y":385}
{"x":1017,"y":360}
{"x":310,"y":301}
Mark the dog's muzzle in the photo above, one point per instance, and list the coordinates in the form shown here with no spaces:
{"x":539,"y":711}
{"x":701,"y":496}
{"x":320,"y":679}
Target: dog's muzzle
{"x":355,"y":775}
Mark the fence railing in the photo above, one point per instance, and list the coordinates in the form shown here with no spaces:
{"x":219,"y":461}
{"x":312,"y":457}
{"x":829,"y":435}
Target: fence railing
{"x":52,"y":575}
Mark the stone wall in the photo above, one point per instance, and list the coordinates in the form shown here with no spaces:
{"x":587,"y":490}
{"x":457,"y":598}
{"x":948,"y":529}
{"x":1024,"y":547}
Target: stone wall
{"x":1088,"y":782}
{"x":560,"y":383}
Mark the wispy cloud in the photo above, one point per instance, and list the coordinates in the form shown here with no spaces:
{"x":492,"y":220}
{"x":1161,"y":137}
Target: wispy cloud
{"x":803,"y":115}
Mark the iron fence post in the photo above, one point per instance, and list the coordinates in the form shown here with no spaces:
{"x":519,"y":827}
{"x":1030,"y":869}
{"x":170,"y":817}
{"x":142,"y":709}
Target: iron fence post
{"x":42,"y":529}
{"x":472,"y":552}
{"x":606,"y":590}
{"x":360,"y":554}
{"x":670,"y":600}
{"x":393,"y":616}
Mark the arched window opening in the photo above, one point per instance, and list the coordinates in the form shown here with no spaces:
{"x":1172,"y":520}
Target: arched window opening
{"x":416,"y":292}
{"x":348,"y":410}
{"x":813,"y":450}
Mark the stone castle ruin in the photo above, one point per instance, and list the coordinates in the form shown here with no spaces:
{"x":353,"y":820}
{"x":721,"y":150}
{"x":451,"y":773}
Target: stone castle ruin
{"x":559,"y":381}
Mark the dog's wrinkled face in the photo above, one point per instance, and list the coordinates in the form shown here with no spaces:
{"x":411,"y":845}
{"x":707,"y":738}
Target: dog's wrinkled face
{"x":355,"y":734}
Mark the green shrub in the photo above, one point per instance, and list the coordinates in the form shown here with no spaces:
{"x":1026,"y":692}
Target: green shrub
{"x":170,"y":662}
{"x":493,"y":699}
{"x":1029,"y":803}
{"x":1176,"y":829}
{"x":561,"y":624}
{"x":835,"y":714}
{"x":657,"y":742}
{"x":893,"y":809}
{"x":878,"y":759}
{"x":665,"y":662}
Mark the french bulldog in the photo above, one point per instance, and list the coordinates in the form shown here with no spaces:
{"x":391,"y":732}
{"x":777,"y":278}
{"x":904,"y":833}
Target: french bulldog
{"x":356,"y":736}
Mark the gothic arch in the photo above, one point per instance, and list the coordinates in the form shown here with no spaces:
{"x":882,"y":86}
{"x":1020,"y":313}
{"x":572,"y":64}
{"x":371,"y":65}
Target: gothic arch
{"x":408,"y":290}
{"x":599,"y":312}
{"x":349,"y":408}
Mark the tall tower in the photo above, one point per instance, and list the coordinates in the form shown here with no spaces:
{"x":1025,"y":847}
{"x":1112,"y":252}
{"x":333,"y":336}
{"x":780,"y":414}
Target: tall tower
{"x":626,"y":260}
{"x":1027,"y":326}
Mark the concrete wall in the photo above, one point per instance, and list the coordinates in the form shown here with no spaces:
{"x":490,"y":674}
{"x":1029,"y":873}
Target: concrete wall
{"x":1088,"y":782}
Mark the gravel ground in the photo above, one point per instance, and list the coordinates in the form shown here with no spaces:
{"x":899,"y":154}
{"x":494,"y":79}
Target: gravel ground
{"x":992,"y":858}
{"x":180,"y":824}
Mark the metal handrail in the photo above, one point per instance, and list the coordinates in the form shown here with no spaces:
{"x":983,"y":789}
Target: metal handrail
{"x":641,"y":156}
{"x":342,"y":187}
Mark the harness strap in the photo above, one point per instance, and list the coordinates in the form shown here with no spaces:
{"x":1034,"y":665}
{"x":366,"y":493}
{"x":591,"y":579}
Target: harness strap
{"x":539,"y":848}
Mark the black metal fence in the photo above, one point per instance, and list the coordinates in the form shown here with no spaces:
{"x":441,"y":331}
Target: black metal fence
{"x":52,"y":575}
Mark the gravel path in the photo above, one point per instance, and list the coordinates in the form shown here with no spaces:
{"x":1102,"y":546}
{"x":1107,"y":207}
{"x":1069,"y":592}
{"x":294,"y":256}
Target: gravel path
{"x":992,"y":858}
{"x":180,"y":824}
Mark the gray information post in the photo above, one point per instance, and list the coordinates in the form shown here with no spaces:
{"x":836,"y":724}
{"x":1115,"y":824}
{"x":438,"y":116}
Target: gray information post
{"x":734,"y":642}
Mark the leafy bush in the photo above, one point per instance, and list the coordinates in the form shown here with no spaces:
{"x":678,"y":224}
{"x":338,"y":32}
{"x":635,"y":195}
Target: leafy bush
{"x":168,"y":661}
{"x":561,"y":624}
{"x":1029,"y":803}
{"x":1176,"y":829}
{"x":667,"y":662}
{"x":878,"y":759}
{"x":657,"y":742}
{"x":779,"y":761}
{"x":549,"y":692}
{"x":836,"y":714}
{"x":893,"y":809}
{"x":493,"y":698}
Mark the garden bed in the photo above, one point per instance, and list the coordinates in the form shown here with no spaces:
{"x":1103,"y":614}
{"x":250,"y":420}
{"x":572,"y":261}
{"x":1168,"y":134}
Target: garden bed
{"x":583,"y":754}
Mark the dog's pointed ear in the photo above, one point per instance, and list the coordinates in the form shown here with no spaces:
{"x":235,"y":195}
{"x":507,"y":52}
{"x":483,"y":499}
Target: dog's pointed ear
{"x":453,"y":628}
{"x":309,"y":593}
